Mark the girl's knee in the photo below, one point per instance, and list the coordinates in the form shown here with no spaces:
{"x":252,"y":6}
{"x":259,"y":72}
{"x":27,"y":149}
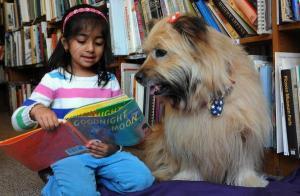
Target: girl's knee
{"x":67,"y":188}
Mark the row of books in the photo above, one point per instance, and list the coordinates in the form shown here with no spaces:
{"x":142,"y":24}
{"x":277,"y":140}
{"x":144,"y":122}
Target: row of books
{"x":287,"y":92}
{"x":29,"y":45}
{"x":18,"y":93}
{"x":288,"y":11}
{"x":281,"y":87}
{"x":236,"y":18}
{"x":18,"y":12}
{"x":265,"y":69}
{"x":150,"y":106}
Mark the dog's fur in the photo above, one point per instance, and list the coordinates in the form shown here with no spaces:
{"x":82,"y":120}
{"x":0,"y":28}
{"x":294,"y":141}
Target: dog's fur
{"x":189,"y":64}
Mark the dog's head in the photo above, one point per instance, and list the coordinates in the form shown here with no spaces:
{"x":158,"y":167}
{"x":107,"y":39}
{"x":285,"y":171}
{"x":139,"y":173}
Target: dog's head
{"x":187,"y":62}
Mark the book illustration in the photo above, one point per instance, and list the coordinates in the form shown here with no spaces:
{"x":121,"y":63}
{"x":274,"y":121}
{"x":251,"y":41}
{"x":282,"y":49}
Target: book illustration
{"x":118,"y":120}
{"x":124,"y":126}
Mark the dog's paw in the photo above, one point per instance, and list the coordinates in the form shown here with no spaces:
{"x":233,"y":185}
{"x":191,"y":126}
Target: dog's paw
{"x":188,"y":175}
{"x":251,"y":179}
{"x":254,"y":182}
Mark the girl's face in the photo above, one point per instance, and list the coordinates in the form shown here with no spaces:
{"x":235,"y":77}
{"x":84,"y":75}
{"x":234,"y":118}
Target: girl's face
{"x":86,"y":49}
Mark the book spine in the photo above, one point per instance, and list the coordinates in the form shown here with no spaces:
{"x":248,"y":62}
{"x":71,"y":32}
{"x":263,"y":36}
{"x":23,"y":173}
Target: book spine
{"x":296,"y":11}
{"x":287,"y":88}
{"x":140,"y":19}
{"x":155,"y":9}
{"x":247,"y":9}
{"x":206,"y":14}
{"x":196,"y":9}
{"x":231,"y":19}
{"x":296,"y":88}
{"x":228,"y":28}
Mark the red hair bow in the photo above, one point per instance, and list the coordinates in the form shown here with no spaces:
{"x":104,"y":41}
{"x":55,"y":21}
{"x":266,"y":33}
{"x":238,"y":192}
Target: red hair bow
{"x":174,"y":17}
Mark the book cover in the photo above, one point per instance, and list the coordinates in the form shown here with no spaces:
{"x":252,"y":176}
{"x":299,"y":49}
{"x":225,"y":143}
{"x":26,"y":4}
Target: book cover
{"x":118,"y":120}
{"x":38,"y":149}
{"x":119,"y":124}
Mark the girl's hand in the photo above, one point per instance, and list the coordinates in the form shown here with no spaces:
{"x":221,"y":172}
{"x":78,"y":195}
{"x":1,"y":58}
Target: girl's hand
{"x":99,"y":149}
{"x":45,"y":117}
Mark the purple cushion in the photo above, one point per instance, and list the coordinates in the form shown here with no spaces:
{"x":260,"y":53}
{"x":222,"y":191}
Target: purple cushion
{"x":288,"y":186}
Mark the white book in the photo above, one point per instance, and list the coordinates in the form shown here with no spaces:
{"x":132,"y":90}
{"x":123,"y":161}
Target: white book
{"x":127,"y":69}
{"x":49,"y":10}
{"x":283,"y":60}
{"x":118,"y":27}
{"x":136,"y":32}
{"x":49,"y":47}
{"x":23,"y":5}
{"x":264,"y":17}
{"x":28,"y":90}
{"x":27,"y":45}
{"x":130,"y":28}
{"x":9,"y":14}
{"x":140,"y":94}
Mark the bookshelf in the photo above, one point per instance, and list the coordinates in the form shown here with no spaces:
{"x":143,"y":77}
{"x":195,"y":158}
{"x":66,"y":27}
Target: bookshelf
{"x":284,"y":38}
{"x":255,"y":39}
{"x":290,"y":27}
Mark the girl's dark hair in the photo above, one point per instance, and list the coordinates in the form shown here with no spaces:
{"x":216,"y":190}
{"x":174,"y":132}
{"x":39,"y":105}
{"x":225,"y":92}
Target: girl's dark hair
{"x":75,"y":24}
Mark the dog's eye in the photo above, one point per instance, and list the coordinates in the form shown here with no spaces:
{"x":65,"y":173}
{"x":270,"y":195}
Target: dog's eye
{"x":160,"y":52}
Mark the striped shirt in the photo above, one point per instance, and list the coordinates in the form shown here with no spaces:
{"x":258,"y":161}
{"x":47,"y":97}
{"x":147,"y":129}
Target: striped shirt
{"x":61,"y":94}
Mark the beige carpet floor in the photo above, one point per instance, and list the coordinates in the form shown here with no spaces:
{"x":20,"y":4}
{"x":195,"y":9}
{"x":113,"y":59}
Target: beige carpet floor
{"x":15,"y":179}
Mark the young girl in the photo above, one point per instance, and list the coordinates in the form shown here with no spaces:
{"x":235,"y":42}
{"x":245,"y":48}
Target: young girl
{"x":81,"y":78}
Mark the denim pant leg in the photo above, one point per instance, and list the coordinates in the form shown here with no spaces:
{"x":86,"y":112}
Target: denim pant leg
{"x":122,"y":172}
{"x":71,"y":177}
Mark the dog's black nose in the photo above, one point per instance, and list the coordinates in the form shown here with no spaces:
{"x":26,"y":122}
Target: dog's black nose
{"x":139,"y":77}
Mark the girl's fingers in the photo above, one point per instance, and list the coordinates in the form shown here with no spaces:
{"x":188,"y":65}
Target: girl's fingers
{"x":97,"y":153}
{"x":55,"y":121}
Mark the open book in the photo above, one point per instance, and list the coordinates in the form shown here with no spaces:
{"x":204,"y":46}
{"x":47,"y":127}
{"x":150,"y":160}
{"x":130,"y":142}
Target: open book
{"x":117,"y":120}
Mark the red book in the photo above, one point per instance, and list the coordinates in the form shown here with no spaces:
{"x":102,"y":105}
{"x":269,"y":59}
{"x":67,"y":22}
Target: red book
{"x":38,"y":149}
{"x":118,"y":120}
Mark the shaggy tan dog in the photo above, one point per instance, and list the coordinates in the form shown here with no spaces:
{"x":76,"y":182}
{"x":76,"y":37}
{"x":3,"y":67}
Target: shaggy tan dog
{"x":189,"y":66}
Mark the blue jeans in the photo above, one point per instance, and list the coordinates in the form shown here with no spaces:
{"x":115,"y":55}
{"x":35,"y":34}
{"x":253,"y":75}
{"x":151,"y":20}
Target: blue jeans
{"x":78,"y":175}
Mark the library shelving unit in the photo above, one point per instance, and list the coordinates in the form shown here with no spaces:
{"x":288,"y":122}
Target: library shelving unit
{"x":284,"y":38}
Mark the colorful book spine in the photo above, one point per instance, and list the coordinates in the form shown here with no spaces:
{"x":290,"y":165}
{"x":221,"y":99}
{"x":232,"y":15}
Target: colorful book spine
{"x":296,"y":9}
{"x":265,"y":73}
{"x":247,"y":9}
{"x":206,"y":14}
{"x":231,"y":19}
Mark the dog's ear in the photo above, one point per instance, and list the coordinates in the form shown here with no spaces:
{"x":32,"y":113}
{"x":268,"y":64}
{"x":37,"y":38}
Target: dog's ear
{"x":151,"y":23}
{"x":192,"y":28}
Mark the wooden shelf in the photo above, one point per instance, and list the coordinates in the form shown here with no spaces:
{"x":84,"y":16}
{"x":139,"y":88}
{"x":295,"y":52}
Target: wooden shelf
{"x":289,"y":26}
{"x":278,"y":164}
{"x":255,"y":39}
{"x":31,"y":66}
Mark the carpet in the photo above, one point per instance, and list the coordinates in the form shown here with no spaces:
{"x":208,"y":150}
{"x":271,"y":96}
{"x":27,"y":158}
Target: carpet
{"x":15,"y":179}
